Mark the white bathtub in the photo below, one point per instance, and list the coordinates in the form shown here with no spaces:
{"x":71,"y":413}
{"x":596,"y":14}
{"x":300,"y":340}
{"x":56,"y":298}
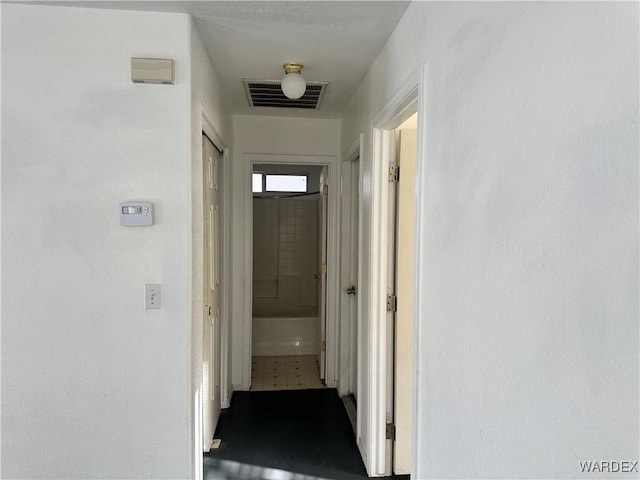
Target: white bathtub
{"x":275,"y":336}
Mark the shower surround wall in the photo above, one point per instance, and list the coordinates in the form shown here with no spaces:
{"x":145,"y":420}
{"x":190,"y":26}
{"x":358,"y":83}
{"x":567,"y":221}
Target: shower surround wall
{"x":285,"y":291}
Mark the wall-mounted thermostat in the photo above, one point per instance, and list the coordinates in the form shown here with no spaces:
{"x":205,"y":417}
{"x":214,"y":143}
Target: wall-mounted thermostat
{"x":136,"y":214}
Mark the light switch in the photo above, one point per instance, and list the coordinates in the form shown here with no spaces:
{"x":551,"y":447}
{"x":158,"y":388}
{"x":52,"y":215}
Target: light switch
{"x":151,"y":295}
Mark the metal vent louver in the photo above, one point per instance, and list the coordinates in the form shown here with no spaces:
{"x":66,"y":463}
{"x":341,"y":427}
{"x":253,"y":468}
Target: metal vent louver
{"x":267,"y":93}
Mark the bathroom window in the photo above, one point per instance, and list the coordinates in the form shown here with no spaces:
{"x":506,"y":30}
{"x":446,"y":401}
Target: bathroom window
{"x":286,"y":183}
{"x":282,"y":183}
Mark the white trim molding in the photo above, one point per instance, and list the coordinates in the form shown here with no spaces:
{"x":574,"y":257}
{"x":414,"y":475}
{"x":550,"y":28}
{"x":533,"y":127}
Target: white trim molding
{"x":419,"y":307}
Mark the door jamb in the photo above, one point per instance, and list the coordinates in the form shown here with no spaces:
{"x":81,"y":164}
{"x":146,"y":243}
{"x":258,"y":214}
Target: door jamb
{"x":419,"y":357}
{"x":411,"y":97}
{"x":333,"y":277}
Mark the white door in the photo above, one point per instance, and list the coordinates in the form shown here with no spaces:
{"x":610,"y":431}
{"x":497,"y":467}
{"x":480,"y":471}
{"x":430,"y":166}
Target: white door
{"x":211,"y":323}
{"x":404,"y":276}
{"x":353,"y":277}
{"x":324,"y":198}
{"x":390,"y":303}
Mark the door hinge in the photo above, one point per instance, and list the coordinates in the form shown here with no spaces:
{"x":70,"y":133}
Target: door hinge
{"x":392,"y":303}
{"x":323,"y":345}
{"x":391,"y":432}
{"x":325,"y":189}
{"x":324,"y":268}
{"x":394,"y":173}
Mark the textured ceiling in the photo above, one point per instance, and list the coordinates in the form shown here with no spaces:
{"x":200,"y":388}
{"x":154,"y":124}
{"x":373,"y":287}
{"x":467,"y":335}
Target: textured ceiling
{"x":336,"y":41}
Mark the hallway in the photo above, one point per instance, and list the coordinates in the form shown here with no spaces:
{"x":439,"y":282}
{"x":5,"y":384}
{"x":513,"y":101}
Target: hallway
{"x":523,"y":306}
{"x":300,"y":435}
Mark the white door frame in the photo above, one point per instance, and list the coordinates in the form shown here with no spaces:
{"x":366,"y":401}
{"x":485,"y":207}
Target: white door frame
{"x":197,"y":281}
{"x":411,"y":97}
{"x":346,"y":382}
{"x":418,"y":302}
{"x":333,"y":258}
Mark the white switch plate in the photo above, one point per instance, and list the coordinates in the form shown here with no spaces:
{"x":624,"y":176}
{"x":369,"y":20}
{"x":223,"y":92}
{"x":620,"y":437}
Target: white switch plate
{"x":151,"y":295}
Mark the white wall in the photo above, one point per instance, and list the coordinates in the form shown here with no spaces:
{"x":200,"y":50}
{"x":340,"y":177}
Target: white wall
{"x":528,"y":320}
{"x":265,"y":135}
{"x":93,"y":385}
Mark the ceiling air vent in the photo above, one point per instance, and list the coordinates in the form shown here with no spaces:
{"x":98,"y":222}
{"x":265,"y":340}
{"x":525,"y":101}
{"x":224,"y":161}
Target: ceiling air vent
{"x":267,"y":93}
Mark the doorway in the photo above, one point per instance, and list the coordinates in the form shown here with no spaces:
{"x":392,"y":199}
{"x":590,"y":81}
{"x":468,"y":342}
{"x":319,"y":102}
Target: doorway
{"x":404,"y":258}
{"x":398,"y":279}
{"x":289,"y":276}
{"x":392,"y":397}
{"x":330,"y":276}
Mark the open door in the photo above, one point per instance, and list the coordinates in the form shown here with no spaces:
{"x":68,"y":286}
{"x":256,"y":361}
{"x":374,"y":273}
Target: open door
{"x":390,"y":347}
{"x":211,"y":323}
{"x":404,"y":280}
{"x":324,"y":198}
{"x":391,"y":301}
{"x":402,"y":144}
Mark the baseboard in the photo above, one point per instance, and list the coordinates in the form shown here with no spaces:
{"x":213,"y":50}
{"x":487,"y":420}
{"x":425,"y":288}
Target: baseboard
{"x":363,"y":454}
{"x":351,"y":408}
{"x":226,"y":402}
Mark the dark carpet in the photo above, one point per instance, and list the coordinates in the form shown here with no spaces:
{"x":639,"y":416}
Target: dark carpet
{"x":285,"y":435}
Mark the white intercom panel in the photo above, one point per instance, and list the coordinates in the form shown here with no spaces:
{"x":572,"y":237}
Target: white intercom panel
{"x":136,"y":214}
{"x":153,"y":70}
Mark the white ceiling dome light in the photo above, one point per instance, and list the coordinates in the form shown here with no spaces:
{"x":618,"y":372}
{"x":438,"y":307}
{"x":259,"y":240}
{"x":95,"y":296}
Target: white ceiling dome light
{"x":293,"y":83}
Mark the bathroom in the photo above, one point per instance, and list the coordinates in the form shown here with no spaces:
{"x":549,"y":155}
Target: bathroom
{"x":287,"y":276}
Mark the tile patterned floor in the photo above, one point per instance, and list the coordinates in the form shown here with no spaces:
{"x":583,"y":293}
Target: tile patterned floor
{"x":285,"y":373}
